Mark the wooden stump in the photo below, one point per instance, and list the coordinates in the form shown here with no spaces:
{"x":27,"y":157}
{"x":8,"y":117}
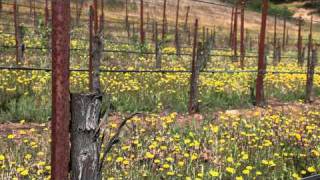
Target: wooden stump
{"x":85,"y":143}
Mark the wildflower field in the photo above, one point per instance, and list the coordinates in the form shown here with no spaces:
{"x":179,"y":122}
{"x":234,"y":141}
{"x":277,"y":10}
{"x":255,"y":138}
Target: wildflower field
{"x":229,"y":138}
{"x":254,"y":144}
{"x":223,"y":86}
{"x":270,"y":143}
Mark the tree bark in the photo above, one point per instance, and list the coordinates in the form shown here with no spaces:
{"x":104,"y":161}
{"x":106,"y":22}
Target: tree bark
{"x":96,"y":61}
{"x":85,"y":143}
{"x":231,"y":29}
{"x":164,"y":20}
{"x":193,"y":97}
{"x":310,"y":77}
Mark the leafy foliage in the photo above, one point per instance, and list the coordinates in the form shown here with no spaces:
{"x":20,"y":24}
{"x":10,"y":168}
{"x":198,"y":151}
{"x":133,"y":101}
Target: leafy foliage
{"x":313,"y":5}
{"x":273,"y":8}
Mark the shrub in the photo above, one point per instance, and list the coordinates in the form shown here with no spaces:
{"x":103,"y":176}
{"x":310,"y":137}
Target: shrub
{"x":255,"y":5}
{"x":115,"y":3}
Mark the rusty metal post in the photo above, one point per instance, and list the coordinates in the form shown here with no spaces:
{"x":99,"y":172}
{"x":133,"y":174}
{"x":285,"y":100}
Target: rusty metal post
{"x":141,"y":22}
{"x":60,"y":152}
{"x":153,"y":31}
{"x":275,"y":38}
{"x":164,"y":20}
{"x":19,"y":34}
{"x":21,"y":47}
{"x":177,"y":43}
{"x":242,"y":48}
{"x":310,"y":76}
{"x":277,"y":54}
{"x":30,"y":7}
{"x":267,"y":44}
{"x":258,"y":38}
{"x":127,"y":20}
{"x":148,"y":21}
{"x":310,"y":42}
{"x":214,"y":37}
{"x":246,"y":38}
{"x":127,"y":16}
{"x":299,"y":45}
{"x":231,"y":28}
{"x":158,"y":51}
{"x":102,"y":17}
{"x":235,"y":33}
{"x":77,"y":12}
{"x":187,"y":17}
{"x":284,"y":34}
{"x":260,"y":99}
{"x":95,"y":12}
{"x":15,"y":19}
{"x":203,"y":34}
{"x":46,"y":12}
{"x":207,"y":34}
{"x":250,"y":43}
{"x":193,"y":101}
{"x":91,"y":19}
{"x":189,"y":34}
{"x":34,"y":14}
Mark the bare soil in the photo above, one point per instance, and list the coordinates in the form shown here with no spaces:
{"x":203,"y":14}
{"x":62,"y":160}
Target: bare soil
{"x":291,"y":109}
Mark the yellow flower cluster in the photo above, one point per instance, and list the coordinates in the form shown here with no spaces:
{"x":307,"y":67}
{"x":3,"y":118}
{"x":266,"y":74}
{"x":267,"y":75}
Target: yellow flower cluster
{"x":171,"y":146}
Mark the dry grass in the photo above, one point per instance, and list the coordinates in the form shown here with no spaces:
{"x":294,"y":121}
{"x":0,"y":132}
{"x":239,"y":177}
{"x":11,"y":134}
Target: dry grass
{"x":208,"y":15}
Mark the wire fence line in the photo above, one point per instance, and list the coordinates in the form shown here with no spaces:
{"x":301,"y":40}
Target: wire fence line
{"x":158,"y":71}
{"x":83,"y":39}
{"x":121,"y":22}
{"x":151,"y":53}
{"x":144,"y":52}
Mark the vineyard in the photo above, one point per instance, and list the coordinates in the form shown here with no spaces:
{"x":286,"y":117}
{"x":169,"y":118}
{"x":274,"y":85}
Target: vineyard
{"x":150,"y":89}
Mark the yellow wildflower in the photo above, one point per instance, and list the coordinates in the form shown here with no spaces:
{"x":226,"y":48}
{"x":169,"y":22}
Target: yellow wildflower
{"x":214,"y":173}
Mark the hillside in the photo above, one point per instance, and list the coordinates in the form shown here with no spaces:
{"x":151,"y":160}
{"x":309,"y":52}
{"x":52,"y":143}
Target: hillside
{"x":215,"y":13}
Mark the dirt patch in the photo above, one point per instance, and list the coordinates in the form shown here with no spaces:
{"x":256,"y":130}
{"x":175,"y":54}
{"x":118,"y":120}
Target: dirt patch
{"x":291,"y":109}
{"x":12,"y":127}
